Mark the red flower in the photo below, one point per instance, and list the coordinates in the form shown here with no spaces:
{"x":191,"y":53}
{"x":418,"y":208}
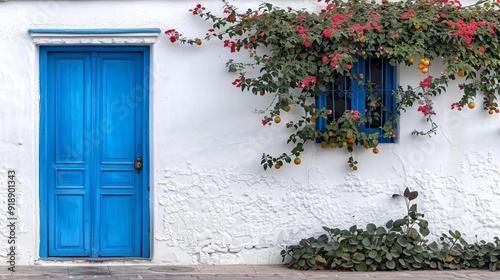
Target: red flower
{"x":481,"y":49}
{"x":324,"y":58}
{"x":237,"y":82}
{"x":231,"y":44}
{"x":426,"y":83}
{"x":327,"y":34}
{"x":301,"y":17}
{"x":426,"y":110}
{"x":306,"y":44}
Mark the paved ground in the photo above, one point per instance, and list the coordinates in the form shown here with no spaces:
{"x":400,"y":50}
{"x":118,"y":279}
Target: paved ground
{"x":225,"y":272}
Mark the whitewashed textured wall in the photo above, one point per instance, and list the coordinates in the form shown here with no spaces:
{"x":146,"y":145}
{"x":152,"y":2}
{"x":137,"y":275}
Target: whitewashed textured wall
{"x":211,"y":202}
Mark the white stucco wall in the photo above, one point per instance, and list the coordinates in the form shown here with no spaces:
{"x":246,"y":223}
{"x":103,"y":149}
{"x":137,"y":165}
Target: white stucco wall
{"x":211,"y":202}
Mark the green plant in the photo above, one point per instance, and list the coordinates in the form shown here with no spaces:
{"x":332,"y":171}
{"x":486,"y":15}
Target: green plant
{"x":298,"y":53}
{"x":407,"y":224}
{"x":397,"y":246}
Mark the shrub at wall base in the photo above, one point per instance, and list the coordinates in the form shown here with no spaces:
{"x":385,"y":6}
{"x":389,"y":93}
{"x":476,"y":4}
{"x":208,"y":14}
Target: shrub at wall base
{"x":399,"y":245}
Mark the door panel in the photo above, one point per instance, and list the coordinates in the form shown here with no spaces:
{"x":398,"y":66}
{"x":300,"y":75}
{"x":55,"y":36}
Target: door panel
{"x":94,"y":130}
{"x":69,"y":154}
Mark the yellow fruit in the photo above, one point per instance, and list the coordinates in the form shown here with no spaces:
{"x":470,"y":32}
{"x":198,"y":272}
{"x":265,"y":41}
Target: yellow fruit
{"x":471,"y":105}
{"x":333,"y":145}
{"x":277,"y":120}
{"x":344,"y":144}
{"x":362,"y":40}
{"x":490,"y":112}
{"x":425,"y":70}
{"x":411,"y":60}
{"x":287,"y":108}
{"x":330,"y":133}
{"x":354,"y":168}
{"x":426,"y":62}
{"x":199,"y":42}
{"x":323,"y":144}
{"x":313,"y":118}
{"x":416,"y":25}
{"x":461,"y":73}
{"x":277,"y":166}
{"x":297,"y":161}
{"x":352,"y":140}
{"x":422,"y":60}
{"x":363,"y":52}
{"x":420,"y":66}
{"x":375,"y":150}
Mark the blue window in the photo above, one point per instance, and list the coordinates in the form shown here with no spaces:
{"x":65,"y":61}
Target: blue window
{"x":345,"y":94}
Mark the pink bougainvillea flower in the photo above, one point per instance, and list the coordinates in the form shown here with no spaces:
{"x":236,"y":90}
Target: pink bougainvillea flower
{"x":302,"y":30}
{"x":426,"y":110}
{"x":301,"y":17}
{"x":327,"y":34}
{"x":426,"y":83}
{"x":237,"y":82}
{"x":481,"y":49}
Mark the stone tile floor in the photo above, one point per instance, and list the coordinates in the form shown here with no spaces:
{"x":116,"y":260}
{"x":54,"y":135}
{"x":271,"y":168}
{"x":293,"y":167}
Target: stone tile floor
{"x":225,"y":272}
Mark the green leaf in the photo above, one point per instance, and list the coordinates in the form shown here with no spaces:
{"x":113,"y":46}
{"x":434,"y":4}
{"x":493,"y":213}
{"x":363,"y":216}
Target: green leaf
{"x":390,"y":264}
{"x":371,"y":228}
{"x":359,"y":257}
{"x":372,"y":254}
{"x":403,"y":242}
{"x":366,"y":242}
{"x":424,"y":231}
{"x":433,"y":246}
{"x":406,"y":192}
{"x":380,"y":230}
{"x":389,"y":224}
{"x":413,"y":234}
{"x":413,"y":208}
{"x":353,"y":228}
{"x":361,"y":266}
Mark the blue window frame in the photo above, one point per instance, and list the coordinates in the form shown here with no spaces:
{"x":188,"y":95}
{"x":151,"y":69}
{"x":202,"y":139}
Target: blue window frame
{"x":345,"y":94}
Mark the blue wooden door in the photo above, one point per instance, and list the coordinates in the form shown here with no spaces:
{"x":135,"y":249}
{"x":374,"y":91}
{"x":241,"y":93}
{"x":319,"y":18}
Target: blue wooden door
{"x":93,"y":135}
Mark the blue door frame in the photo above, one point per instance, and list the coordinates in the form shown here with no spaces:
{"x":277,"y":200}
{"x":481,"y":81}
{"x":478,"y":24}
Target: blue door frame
{"x":89,"y":194}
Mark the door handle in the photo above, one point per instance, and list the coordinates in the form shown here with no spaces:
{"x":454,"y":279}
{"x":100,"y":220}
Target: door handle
{"x":138,"y":164}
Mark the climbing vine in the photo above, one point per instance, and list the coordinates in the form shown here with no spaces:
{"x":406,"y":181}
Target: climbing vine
{"x":298,"y":53}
